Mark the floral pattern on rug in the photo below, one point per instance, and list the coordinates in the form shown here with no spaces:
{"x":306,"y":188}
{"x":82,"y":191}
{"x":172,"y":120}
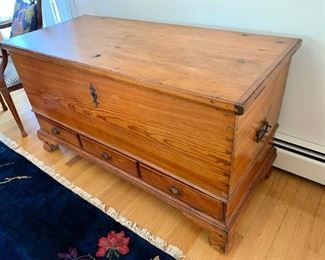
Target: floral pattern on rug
{"x":72,"y":254}
{"x":111,"y":247}
{"x":90,"y":231}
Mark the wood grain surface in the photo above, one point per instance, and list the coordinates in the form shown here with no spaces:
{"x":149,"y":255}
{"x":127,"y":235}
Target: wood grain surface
{"x":209,"y":65}
{"x":198,"y":154}
{"x":266,"y":107}
{"x":187,"y":140}
{"x":182,"y":192}
{"x":110,"y":156}
{"x":284,"y":219}
{"x":59,"y":131}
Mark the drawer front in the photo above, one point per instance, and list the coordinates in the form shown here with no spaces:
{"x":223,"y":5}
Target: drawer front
{"x":182,"y":192}
{"x":187,"y":139}
{"x":59,"y":131}
{"x":110,"y":156}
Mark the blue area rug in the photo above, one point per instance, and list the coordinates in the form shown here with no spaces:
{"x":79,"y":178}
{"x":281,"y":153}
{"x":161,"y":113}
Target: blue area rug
{"x":43,"y":216}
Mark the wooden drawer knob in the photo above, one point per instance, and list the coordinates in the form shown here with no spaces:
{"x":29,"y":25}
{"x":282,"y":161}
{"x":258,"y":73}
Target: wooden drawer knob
{"x":55,"y":131}
{"x":106,"y":156}
{"x":175,"y":191}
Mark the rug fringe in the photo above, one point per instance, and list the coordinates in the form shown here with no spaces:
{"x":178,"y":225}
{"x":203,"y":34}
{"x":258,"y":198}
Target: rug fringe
{"x":142,"y":232}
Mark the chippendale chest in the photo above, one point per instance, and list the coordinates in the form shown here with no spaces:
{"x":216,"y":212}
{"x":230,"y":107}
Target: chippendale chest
{"x":185,"y":113}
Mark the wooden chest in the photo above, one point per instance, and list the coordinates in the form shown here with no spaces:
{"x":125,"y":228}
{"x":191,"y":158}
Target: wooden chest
{"x":185,"y":113}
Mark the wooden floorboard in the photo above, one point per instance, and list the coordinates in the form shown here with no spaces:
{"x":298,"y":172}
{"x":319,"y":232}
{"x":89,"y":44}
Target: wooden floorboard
{"x":284,"y":219}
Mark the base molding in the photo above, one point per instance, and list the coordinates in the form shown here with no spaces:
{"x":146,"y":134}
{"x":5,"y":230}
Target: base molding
{"x":220,"y":231}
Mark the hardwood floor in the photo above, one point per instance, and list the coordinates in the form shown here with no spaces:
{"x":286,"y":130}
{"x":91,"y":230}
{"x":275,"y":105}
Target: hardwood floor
{"x":284,"y":219}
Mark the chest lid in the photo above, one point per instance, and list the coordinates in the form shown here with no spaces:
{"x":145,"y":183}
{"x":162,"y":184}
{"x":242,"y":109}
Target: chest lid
{"x":217,"y":67}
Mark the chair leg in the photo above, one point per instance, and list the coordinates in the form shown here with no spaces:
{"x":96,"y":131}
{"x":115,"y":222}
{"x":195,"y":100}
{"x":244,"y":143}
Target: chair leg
{"x":3,"y":104}
{"x":11,"y":105}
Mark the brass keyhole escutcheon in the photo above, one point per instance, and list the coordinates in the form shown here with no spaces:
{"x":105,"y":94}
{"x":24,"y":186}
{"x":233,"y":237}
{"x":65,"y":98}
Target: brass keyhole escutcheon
{"x":106,"y":156}
{"x":93,"y":94}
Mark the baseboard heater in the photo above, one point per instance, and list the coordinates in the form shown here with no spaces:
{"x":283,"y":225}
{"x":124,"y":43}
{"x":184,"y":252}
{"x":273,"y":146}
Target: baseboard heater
{"x":300,"y":160}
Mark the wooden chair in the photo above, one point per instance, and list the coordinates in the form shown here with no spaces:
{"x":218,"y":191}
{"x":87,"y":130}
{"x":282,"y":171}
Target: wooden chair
{"x":9,"y":79}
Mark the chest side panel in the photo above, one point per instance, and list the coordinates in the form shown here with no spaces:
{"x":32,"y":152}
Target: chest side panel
{"x":187,"y":140}
{"x":265,"y":108}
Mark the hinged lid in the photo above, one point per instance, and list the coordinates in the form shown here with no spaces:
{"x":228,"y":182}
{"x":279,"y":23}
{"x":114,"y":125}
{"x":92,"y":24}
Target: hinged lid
{"x":219,"y":68}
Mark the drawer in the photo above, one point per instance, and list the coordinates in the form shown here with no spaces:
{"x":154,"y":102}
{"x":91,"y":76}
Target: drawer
{"x":59,"y":131}
{"x":110,"y":156}
{"x":182,"y":192}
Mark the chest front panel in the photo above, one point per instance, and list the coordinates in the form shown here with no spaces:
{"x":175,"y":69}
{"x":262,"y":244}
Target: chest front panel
{"x":188,"y":140}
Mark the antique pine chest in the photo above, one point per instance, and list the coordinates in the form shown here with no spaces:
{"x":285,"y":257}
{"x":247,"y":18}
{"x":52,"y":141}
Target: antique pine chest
{"x":185,"y":113}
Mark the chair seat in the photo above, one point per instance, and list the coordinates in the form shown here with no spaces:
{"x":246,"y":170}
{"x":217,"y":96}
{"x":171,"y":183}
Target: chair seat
{"x":10,"y":75}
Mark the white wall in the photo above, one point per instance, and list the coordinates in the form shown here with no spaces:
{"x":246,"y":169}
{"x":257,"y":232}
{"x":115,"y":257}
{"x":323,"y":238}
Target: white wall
{"x":303,"y":112}
{"x":6,"y":10}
